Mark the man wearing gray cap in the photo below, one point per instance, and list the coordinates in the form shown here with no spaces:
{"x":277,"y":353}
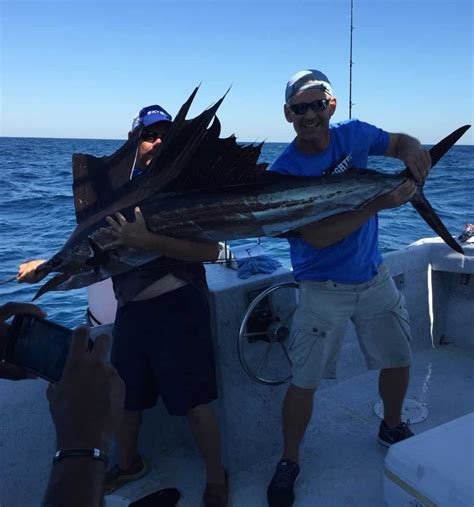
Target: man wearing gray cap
{"x":339,"y":267}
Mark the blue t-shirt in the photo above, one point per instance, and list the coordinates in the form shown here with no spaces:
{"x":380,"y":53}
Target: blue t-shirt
{"x":136,"y":172}
{"x":356,"y":258}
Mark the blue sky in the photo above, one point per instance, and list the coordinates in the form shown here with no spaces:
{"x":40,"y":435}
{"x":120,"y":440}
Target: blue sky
{"x":83,"y":68}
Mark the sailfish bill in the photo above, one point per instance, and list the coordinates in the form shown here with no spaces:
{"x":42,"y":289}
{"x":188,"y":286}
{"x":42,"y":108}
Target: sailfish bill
{"x":202,"y":187}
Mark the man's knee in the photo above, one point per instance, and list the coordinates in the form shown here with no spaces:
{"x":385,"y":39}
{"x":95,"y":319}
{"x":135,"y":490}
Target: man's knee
{"x":132,"y":419}
{"x":200,"y":414}
{"x":394,"y":372}
{"x":300,"y":392}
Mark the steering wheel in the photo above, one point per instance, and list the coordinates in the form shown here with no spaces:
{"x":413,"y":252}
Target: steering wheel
{"x":264,"y":333}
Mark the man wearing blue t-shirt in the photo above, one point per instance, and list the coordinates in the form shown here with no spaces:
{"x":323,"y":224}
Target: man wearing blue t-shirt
{"x":339,"y":267}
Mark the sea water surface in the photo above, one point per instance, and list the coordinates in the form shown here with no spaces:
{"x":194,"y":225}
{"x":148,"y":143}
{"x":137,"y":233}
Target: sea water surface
{"x":37,"y":212}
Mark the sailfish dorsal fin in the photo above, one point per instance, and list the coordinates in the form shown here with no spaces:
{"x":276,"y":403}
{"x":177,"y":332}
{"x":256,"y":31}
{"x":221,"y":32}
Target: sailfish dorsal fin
{"x":192,"y":156}
{"x":98,"y":182}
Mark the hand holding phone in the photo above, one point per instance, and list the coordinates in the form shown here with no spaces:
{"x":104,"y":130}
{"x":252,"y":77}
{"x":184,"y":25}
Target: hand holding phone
{"x":7,"y":369}
{"x":38,"y":346}
{"x":87,"y":407}
{"x":87,"y":404}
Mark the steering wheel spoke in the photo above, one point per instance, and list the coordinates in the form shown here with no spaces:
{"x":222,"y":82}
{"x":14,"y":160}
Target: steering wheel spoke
{"x":264,"y":358}
{"x":285,"y":353}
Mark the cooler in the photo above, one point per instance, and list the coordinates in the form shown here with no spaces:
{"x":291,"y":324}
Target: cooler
{"x":433,"y":469}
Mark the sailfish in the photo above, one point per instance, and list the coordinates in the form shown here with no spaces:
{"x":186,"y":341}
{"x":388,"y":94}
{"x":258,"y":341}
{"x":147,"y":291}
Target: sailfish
{"x":202,"y":187}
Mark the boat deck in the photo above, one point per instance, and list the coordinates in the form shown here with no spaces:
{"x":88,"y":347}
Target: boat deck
{"x":341,"y":462}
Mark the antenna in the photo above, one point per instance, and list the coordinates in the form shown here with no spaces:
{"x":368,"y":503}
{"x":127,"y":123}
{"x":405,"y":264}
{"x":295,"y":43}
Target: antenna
{"x":351,"y":62}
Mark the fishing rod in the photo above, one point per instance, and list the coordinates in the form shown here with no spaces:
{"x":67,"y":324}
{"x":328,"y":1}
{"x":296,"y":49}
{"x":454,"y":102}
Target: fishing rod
{"x":8,"y":280}
{"x":350,"y":60}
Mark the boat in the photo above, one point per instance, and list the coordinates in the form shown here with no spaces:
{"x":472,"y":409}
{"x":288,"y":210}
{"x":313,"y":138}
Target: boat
{"x":342,"y":463}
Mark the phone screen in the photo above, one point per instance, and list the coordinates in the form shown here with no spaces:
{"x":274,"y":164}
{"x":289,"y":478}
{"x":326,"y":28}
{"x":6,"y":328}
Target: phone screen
{"x":40,"y":346}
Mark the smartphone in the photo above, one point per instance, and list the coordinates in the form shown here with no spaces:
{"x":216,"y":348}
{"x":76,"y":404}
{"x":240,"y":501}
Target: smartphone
{"x":39,"y":346}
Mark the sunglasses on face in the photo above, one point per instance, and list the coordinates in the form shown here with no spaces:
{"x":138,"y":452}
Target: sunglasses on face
{"x":316,"y":106}
{"x":150,"y":137}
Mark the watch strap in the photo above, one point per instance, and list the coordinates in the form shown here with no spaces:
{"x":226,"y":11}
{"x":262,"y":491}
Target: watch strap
{"x":90,"y":453}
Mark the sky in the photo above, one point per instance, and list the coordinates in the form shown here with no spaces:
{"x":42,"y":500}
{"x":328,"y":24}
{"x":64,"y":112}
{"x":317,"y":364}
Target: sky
{"x":83,"y":68}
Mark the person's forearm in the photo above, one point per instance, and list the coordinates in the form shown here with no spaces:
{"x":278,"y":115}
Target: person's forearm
{"x":404,"y":145}
{"x":181,"y":249}
{"x":330,"y":230}
{"x":76,"y":482}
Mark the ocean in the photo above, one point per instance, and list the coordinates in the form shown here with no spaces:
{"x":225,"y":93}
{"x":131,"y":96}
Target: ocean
{"x":37,"y":213}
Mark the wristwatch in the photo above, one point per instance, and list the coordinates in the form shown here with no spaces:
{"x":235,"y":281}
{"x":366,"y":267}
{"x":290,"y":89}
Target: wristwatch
{"x":90,"y":453}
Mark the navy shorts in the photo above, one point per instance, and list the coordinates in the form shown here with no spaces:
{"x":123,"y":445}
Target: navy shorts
{"x":163,"y":347}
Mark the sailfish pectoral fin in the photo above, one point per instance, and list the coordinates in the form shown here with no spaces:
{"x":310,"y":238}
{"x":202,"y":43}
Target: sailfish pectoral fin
{"x":429,"y":215}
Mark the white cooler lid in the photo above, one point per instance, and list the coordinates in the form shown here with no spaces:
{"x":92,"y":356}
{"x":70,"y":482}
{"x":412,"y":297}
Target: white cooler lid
{"x":438,"y":464}
{"x":116,"y":501}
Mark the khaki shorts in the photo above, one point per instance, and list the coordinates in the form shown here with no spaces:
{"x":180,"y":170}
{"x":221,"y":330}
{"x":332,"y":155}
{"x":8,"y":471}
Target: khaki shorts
{"x":378,"y":312}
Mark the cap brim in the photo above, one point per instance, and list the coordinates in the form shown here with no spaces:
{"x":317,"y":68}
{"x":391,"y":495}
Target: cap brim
{"x":151,"y":119}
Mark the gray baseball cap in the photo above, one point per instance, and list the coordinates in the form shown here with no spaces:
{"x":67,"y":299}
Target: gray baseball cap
{"x":305,"y":80}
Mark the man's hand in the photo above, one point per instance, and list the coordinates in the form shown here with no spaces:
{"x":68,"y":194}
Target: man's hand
{"x":122,"y":233}
{"x":7,"y":370}
{"x":397,"y":197}
{"x":136,"y":235}
{"x":418,"y":162}
{"x":411,"y":153}
{"x":87,"y":404}
{"x":27,"y":272}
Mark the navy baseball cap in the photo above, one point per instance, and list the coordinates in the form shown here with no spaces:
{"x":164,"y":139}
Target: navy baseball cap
{"x":306,"y":80}
{"x":150,"y":115}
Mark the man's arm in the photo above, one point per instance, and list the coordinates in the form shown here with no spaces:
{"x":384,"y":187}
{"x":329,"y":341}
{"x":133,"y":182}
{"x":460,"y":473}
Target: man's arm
{"x":330,"y":230}
{"x":76,"y":482}
{"x":86,"y":407}
{"x":409,"y":150}
{"x":136,"y":235}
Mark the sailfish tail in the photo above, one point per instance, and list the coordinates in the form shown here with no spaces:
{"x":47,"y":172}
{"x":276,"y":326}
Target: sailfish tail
{"x":429,"y":215}
{"x":421,"y":204}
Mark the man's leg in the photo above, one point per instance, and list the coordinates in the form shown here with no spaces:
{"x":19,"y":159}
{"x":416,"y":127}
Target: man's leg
{"x":393,"y":385}
{"x":127,"y":439}
{"x":203,"y":425}
{"x":313,"y":346}
{"x":297,"y":411}
{"x":383,"y":330}
{"x":131,"y":324}
{"x":130,"y":465}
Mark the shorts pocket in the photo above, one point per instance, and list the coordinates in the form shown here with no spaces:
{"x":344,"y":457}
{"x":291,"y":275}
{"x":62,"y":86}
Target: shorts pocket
{"x":303,"y":341}
{"x":402,"y":317}
{"x":385,"y":338}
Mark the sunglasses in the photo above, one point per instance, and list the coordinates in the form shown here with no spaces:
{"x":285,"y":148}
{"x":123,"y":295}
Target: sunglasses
{"x":150,"y":137}
{"x":316,"y":106}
